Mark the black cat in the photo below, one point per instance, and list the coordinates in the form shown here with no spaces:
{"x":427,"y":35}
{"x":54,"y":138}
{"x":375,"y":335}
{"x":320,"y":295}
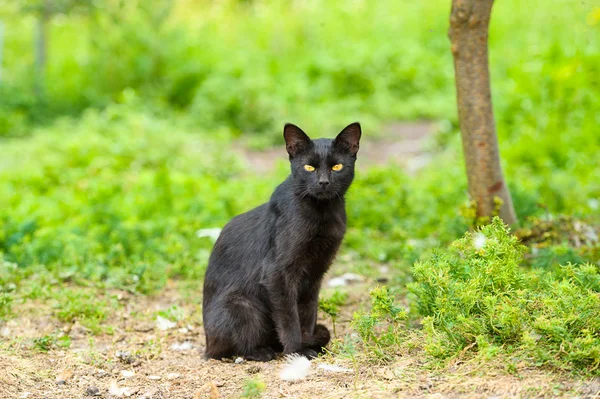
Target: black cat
{"x":261,"y":287}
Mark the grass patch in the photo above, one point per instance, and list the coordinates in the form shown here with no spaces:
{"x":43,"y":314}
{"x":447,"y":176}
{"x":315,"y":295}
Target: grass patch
{"x":48,"y":342}
{"x":84,"y":307}
{"x":475,"y":296}
{"x":253,"y":388}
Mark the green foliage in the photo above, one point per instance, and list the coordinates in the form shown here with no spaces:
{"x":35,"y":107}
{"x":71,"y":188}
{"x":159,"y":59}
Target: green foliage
{"x":556,"y":241}
{"x":331,"y":306}
{"x":475,"y":295}
{"x":5,"y":304}
{"x":7,"y":288}
{"x":85,"y":307}
{"x":109,"y":201}
{"x":173,"y":313}
{"x":253,"y":388}
{"x":43,"y":344}
{"x":384,"y":326}
{"x":249,"y":67}
{"x":47,"y":342}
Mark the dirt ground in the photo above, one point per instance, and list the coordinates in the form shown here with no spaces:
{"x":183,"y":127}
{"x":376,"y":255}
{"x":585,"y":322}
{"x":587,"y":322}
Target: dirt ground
{"x":140,"y":360}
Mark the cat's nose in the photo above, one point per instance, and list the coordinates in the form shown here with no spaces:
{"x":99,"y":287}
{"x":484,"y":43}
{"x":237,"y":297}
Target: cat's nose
{"x":324,"y":183}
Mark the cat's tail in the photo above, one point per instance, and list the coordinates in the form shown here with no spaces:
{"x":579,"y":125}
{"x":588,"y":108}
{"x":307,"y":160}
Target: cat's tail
{"x":319,"y":340}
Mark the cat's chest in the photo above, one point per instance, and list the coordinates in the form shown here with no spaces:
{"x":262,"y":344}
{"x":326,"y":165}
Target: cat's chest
{"x":303,"y":229}
{"x":330,"y":225}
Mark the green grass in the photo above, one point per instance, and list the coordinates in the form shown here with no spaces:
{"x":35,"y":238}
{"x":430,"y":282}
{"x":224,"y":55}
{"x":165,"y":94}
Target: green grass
{"x":253,"y":388}
{"x":475,"y":299}
{"x":248,"y":66}
{"x":48,"y":342}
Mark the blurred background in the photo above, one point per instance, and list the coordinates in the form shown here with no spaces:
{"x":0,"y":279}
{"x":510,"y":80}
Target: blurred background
{"x":128,"y":128}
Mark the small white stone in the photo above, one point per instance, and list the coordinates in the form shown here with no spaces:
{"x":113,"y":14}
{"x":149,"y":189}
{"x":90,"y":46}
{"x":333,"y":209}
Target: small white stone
{"x":239,"y":360}
{"x":184,"y":346}
{"x":336,"y":282}
{"x":164,"y":324}
{"x":115,"y":390}
{"x":345,"y":279}
{"x":154,"y":377}
{"x":127,"y":373}
{"x":173,"y":376}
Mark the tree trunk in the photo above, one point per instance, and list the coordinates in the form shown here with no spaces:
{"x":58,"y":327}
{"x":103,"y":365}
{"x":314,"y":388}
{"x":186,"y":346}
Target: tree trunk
{"x":1,"y":48}
{"x":41,"y":48}
{"x":469,"y":24}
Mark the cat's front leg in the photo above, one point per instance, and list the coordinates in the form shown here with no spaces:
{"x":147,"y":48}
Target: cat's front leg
{"x":314,"y":336}
{"x":283,"y":297}
{"x":307,"y":309}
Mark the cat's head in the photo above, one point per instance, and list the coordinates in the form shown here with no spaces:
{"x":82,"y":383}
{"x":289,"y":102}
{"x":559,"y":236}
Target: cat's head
{"x":322,"y":168}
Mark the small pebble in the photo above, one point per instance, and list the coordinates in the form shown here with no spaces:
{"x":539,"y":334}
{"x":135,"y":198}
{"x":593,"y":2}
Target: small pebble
{"x":93,"y":391}
{"x":172,"y":376}
{"x":154,"y":377}
{"x":61,"y":382}
{"x":184,"y":346}
{"x":239,"y":360}
{"x":127,"y":373}
{"x":125,"y":357}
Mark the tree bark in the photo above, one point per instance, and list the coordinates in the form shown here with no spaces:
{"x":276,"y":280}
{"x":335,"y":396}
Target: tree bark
{"x":469,"y":25}
{"x":1,"y":48}
{"x":41,"y":48}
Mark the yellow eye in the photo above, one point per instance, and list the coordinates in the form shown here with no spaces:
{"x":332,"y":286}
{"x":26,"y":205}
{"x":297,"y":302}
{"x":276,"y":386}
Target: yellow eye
{"x":337,"y":167}
{"x":309,"y":168}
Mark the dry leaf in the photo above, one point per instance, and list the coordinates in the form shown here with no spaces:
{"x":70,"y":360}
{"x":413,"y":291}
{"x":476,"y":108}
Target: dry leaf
{"x":64,"y":375}
{"x":214,"y":392}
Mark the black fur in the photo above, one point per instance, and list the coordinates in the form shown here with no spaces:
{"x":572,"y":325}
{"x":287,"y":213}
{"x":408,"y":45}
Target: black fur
{"x":262,"y":284}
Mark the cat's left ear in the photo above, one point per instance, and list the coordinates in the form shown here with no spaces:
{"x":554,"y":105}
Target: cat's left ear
{"x":349,"y":138}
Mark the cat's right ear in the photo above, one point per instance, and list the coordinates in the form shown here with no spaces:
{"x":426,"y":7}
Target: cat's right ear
{"x":296,"y":140}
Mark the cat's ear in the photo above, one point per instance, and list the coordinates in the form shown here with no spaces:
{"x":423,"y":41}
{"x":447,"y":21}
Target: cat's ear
{"x":296,"y":140}
{"x":349,"y":138}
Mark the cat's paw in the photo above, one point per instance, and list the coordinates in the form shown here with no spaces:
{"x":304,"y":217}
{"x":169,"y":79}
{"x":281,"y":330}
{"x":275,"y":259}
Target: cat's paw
{"x":318,"y":340}
{"x":261,"y":355}
{"x":308,"y":353}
